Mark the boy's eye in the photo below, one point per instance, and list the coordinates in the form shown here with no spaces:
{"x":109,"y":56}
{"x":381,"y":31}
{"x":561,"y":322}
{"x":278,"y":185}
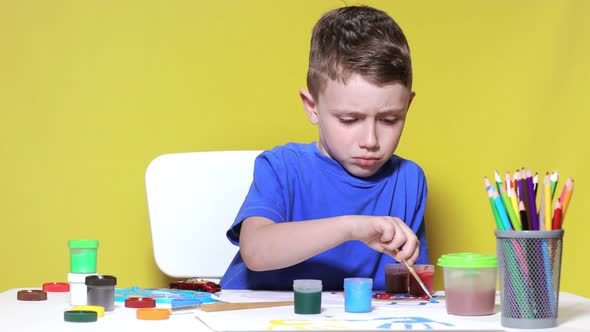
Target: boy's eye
{"x":389,"y":120}
{"x":347,"y":120}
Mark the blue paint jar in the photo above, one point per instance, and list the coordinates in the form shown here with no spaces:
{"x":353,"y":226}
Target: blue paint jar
{"x":358,"y":293}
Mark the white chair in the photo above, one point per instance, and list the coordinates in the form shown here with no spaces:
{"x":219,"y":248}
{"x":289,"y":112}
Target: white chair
{"x":192,"y":199}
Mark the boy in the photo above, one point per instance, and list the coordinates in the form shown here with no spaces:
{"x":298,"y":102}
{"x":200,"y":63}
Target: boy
{"x":346,"y":205}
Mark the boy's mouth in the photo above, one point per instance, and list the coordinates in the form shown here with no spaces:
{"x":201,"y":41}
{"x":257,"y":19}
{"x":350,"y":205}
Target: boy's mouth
{"x":366,"y":161}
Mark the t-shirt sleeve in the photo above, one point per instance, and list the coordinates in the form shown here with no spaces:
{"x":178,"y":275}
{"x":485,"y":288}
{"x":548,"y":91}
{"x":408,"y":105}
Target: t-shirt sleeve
{"x":265,"y":196}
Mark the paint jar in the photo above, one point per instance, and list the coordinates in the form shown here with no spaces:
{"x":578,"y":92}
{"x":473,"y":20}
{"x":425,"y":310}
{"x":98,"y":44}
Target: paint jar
{"x":308,"y":296}
{"x":470,"y":283}
{"x":101,"y":291}
{"x":396,"y":279}
{"x":83,"y":256}
{"x":357,"y":294}
{"x":78,"y":289}
{"x":426,"y":273}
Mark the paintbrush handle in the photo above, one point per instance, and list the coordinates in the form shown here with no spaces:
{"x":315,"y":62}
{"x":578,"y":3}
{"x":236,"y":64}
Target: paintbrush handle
{"x":223,"y":306}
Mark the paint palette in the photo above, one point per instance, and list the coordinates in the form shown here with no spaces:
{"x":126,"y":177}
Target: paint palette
{"x":164,"y":296}
{"x":389,"y":297}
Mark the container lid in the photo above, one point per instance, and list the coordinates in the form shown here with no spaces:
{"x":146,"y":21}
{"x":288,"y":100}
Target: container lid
{"x":152,"y":313}
{"x":467,"y":259}
{"x":140,"y":302}
{"x":31,"y":295}
{"x":309,"y":285}
{"x":56,"y":287}
{"x":86,"y":244}
{"x":80,"y":316}
{"x":100,"y":280}
{"x":97,"y":308}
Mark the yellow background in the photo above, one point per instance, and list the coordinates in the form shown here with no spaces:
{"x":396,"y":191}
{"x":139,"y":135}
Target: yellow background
{"x":92,"y":91}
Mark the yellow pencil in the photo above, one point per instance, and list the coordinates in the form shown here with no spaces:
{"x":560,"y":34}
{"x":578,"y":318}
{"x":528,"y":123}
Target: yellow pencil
{"x":541,"y":214}
{"x":548,"y":201}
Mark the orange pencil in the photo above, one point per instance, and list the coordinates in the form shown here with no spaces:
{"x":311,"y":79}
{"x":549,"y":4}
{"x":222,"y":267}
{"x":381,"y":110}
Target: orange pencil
{"x":569,"y":190}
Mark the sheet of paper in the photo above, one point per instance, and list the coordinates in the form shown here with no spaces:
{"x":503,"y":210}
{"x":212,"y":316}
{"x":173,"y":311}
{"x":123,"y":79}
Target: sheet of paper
{"x":394,"y":318}
{"x":386,"y":315}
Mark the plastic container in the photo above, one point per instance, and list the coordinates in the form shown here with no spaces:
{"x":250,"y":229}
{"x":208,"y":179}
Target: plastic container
{"x":470,"y":283}
{"x":101,"y":291}
{"x":308,"y":296}
{"x":426,"y":273}
{"x":357,"y":294}
{"x":78,"y":290}
{"x":396,"y":279}
{"x":83,"y":256}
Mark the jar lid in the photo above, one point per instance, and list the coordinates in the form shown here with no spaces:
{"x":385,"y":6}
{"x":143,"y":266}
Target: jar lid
{"x":467,"y":259}
{"x":97,"y":308}
{"x":152,"y":313}
{"x":140,"y":302}
{"x":86,"y":244}
{"x":56,"y":287}
{"x":307,"y":285}
{"x":100,"y":280}
{"x":31,"y":295}
{"x":80,"y":316}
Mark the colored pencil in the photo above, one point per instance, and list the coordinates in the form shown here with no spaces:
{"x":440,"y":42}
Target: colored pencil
{"x":514,"y":201}
{"x":498,"y":181}
{"x":548,"y":199}
{"x":532,"y":201}
{"x":524,"y":197}
{"x":541,"y":212}
{"x":522,"y":212}
{"x":501,"y":210}
{"x":569,"y":190}
{"x":514,"y":219}
{"x":494,"y":210}
{"x":557,"y":216}
{"x":554,"y":180}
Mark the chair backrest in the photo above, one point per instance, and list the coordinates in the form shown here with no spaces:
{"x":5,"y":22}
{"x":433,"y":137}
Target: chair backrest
{"x":192,"y":200}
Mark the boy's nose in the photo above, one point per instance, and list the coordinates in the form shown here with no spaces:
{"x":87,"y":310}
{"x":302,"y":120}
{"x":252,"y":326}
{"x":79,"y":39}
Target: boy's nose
{"x":369,"y":139}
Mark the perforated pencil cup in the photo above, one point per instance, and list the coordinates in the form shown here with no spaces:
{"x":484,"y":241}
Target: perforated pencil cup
{"x":83,"y":256}
{"x":529,"y":268}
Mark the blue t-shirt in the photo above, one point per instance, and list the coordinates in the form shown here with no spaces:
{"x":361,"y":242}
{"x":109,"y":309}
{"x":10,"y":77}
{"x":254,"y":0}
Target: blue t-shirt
{"x":298,"y":182}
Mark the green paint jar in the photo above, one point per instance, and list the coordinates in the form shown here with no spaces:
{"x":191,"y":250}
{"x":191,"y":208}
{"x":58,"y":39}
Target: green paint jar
{"x":83,"y":256}
{"x":308,"y":296}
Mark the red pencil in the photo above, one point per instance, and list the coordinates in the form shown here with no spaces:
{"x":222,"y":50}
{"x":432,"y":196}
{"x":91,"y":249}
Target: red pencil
{"x":557,"y":216}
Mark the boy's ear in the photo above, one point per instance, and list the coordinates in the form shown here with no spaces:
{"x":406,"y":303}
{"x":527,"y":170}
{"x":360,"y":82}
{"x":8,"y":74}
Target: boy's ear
{"x":309,"y":105}
{"x":412,"y":95}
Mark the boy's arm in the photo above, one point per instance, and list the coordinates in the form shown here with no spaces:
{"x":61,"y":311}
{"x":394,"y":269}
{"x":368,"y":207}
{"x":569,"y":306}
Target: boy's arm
{"x":266,"y":245}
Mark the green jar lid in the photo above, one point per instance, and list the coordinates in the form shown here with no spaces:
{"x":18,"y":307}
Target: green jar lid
{"x":80,"y":316}
{"x":86,"y":244}
{"x":467,"y":259}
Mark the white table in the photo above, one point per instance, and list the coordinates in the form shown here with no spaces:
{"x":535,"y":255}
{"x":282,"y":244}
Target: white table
{"x":47,"y":316}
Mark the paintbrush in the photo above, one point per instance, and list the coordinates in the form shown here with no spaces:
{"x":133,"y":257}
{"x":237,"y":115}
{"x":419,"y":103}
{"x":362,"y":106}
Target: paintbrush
{"x":223,"y":306}
{"x":413,"y":272}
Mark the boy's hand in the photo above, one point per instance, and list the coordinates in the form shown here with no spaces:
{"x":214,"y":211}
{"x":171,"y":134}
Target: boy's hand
{"x":389,"y":235}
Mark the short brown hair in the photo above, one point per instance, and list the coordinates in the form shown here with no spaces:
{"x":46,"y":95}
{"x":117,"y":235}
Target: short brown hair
{"x":358,"y":40}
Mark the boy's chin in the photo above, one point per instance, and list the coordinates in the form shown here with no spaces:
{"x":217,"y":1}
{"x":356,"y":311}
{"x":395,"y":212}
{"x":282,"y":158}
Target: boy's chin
{"x":361,"y":172}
